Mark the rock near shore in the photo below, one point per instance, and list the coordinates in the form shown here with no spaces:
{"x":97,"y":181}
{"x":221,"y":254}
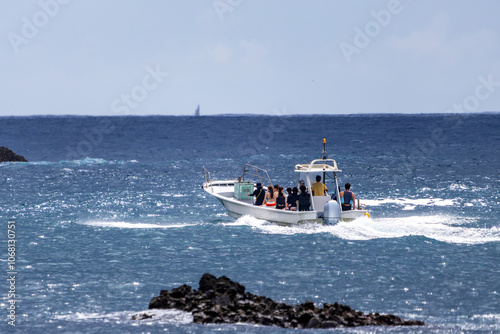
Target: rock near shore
{"x":7,"y":155}
{"x":220,"y":300}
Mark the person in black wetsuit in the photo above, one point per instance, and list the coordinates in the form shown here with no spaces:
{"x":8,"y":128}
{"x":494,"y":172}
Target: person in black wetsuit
{"x":292,"y":199}
{"x":259,"y":194}
{"x":280,"y":200}
{"x":348,"y":197}
{"x":304,"y":199}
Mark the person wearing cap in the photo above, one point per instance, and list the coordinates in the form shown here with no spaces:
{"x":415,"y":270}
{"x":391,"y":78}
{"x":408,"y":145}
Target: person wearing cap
{"x":259,"y":194}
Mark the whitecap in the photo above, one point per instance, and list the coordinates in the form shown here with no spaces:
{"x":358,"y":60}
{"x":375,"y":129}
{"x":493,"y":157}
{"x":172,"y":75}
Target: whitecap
{"x":495,"y":316}
{"x":457,"y":186}
{"x":91,"y":161}
{"x":121,"y":224}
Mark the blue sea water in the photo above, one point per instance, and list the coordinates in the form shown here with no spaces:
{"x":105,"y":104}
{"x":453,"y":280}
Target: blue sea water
{"x":109,"y":211}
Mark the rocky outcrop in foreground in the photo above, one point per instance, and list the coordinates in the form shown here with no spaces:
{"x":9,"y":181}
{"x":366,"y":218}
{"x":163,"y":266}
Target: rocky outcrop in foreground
{"x":7,"y":155}
{"x":220,"y":300}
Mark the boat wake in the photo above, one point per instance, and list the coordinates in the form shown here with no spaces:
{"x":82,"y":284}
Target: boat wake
{"x":124,"y":225}
{"x":440,"y":228}
{"x":411,"y":204}
{"x":158,"y":317}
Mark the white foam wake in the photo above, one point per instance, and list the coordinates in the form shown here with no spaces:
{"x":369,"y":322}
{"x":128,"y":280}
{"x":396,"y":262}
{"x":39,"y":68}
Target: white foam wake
{"x":410,"y":204}
{"x":131,"y":225}
{"x":436,"y":227}
{"x":272,"y":228}
{"x":439,"y":228}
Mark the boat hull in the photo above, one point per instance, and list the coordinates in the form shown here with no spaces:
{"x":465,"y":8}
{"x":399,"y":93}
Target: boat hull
{"x":238,"y":208}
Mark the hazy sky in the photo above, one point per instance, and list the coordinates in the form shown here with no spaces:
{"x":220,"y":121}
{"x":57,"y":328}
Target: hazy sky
{"x":117,"y":57}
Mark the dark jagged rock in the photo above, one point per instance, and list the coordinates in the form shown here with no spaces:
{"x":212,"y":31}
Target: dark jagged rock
{"x":220,"y":300}
{"x":142,"y":316}
{"x":7,"y":155}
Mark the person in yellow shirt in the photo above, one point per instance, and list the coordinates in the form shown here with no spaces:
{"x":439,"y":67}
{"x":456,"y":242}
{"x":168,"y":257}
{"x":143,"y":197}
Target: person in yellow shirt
{"x":318,"y":188}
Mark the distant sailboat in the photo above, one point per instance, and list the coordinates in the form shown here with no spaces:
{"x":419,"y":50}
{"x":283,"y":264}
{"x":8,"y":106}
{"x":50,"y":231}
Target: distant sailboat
{"x":197,"y":112}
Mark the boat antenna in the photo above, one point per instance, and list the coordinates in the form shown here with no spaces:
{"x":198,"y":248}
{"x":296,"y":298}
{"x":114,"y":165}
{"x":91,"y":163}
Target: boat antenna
{"x":324,"y":155}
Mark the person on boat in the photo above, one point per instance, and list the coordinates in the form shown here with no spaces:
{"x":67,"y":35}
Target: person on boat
{"x":292,"y":199}
{"x":301,"y":183}
{"x":318,"y":188}
{"x":281,"y":200}
{"x":334,"y":195}
{"x":347,"y":198}
{"x":276,"y":190}
{"x":259,"y":194}
{"x":304,"y":199}
{"x":283,"y":192}
{"x":270,"y":198}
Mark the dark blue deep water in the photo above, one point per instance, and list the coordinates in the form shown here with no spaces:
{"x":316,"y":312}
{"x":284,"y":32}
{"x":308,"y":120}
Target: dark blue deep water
{"x":109,"y":211}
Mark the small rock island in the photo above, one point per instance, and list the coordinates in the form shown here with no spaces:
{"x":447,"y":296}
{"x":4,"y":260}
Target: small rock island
{"x":7,"y":155}
{"x":220,"y":300}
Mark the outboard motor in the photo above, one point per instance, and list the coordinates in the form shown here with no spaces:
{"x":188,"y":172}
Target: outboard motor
{"x":331,"y":213}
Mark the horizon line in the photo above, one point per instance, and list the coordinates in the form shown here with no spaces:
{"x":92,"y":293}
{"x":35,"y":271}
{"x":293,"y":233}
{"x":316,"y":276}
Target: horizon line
{"x":256,"y":115}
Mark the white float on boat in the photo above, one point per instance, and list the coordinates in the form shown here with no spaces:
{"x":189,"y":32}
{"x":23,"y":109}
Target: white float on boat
{"x":234,"y":195}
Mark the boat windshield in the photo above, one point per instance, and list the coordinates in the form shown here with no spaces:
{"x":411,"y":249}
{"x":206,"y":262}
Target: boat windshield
{"x":256,"y":172}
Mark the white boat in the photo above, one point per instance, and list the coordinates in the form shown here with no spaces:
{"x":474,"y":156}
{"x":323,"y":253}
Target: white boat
{"x":234,"y":195}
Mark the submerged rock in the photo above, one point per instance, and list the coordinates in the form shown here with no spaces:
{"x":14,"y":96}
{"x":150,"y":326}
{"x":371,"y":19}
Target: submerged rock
{"x":7,"y":155}
{"x":142,"y":316}
{"x":220,"y":300}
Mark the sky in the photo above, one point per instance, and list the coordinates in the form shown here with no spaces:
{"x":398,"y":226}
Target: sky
{"x":161,"y":57}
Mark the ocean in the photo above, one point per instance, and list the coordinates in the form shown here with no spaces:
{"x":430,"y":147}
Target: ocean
{"x":109,"y":211}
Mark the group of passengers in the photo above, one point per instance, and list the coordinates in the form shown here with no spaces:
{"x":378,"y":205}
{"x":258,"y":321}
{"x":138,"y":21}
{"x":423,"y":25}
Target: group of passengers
{"x":298,"y":197}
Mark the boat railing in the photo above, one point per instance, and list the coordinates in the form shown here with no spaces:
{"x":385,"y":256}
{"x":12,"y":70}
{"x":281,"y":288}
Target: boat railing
{"x":361,"y":206}
{"x":254,"y":171}
{"x":319,"y":163}
{"x":208,"y":179}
